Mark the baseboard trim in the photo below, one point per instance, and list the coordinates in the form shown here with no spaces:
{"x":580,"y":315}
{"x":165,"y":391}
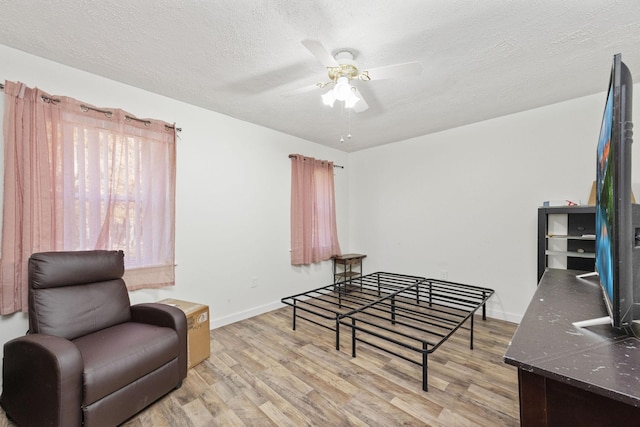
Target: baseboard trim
{"x":242,"y":315}
{"x":501,"y":315}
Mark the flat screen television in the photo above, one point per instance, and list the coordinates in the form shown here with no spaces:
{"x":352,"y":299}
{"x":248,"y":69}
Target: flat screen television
{"x":617,"y":224}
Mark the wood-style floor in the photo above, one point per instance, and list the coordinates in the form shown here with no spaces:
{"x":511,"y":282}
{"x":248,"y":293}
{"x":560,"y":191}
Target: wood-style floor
{"x":262,"y":373}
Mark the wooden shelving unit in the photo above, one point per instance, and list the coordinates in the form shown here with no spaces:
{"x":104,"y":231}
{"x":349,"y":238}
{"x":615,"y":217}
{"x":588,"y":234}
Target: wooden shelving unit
{"x":576,"y":248}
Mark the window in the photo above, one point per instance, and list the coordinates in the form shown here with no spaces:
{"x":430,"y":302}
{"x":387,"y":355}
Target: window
{"x":81,"y":178}
{"x":122,"y":186}
{"x":314,"y":235}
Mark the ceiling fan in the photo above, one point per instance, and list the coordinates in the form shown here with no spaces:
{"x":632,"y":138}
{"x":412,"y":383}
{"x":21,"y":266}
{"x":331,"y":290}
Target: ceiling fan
{"x":342,"y":69}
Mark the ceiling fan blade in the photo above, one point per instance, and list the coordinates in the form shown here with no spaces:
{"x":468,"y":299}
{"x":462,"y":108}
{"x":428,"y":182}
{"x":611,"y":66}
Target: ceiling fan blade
{"x":360,"y":105}
{"x":320,"y":52}
{"x":392,"y":71}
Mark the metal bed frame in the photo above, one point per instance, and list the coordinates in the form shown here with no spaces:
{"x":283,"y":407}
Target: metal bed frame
{"x":393,"y":312}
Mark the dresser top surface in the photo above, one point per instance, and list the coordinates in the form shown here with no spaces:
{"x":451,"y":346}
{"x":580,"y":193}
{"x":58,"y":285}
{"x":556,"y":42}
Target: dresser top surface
{"x":600,"y":359}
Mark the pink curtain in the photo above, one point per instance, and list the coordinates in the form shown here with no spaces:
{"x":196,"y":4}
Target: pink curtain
{"x":79,"y":178}
{"x":314,"y":235}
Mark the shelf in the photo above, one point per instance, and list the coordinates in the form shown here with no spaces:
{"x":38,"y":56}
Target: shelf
{"x":571,"y":254}
{"x":348,"y":274}
{"x":567,"y":237}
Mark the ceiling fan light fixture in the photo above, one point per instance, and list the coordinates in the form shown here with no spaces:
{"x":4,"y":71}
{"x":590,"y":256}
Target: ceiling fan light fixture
{"x":352,"y":99}
{"x":342,"y":89}
{"x":329,"y":98}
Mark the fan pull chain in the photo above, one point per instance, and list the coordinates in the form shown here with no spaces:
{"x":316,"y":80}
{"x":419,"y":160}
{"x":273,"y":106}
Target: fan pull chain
{"x":348,"y":123}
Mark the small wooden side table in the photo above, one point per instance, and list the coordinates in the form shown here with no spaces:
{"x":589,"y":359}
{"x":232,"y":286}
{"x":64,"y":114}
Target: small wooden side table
{"x":347,"y":267}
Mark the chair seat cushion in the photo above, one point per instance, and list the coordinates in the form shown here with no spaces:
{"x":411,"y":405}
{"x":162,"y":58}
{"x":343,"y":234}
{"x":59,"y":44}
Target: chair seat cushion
{"x":121,"y":354}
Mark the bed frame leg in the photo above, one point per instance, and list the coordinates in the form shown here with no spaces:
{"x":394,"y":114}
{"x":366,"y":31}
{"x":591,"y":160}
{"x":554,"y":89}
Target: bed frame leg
{"x":471,"y":338}
{"x":425,"y":386}
{"x":294,"y":315}
{"x":393,"y":310}
{"x":353,"y":337}
{"x":337,"y":334}
{"x":484,"y":306}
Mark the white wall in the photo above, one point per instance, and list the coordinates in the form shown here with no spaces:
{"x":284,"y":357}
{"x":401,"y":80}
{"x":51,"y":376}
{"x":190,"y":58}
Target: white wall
{"x":233,"y":189}
{"x":463,"y":203}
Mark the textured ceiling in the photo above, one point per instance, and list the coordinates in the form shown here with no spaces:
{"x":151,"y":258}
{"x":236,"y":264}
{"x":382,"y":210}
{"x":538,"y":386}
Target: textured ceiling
{"x":480,"y":59}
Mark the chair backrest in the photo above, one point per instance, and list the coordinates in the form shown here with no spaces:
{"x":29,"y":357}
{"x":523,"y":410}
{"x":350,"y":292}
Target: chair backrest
{"x":72,"y":294}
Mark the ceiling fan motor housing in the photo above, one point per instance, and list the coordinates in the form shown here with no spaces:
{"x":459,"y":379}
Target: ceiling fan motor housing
{"x":347,"y":66}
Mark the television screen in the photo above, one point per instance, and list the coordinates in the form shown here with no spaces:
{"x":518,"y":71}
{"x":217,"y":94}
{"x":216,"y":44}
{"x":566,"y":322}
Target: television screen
{"x":616,"y":252}
{"x":605,"y":202}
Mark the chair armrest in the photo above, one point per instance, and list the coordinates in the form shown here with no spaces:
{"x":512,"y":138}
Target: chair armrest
{"x":45,"y":371}
{"x":168,"y":317}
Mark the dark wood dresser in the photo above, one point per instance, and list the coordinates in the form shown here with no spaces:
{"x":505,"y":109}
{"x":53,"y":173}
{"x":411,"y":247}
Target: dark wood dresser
{"x":569,"y":376}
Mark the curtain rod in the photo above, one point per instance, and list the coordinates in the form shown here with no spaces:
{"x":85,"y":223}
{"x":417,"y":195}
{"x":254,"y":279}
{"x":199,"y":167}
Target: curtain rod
{"x":107,"y":113}
{"x":291,"y":156}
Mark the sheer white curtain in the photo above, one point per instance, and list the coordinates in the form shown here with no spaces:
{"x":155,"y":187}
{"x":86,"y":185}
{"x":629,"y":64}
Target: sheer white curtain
{"x":314,"y":235}
{"x":78,"y":178}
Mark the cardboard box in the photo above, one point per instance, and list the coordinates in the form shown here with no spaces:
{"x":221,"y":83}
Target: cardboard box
{"x":198,"y":340}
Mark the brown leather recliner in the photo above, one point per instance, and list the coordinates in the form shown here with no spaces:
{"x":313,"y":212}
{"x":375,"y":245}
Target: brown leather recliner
{"x":89,"y":358}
